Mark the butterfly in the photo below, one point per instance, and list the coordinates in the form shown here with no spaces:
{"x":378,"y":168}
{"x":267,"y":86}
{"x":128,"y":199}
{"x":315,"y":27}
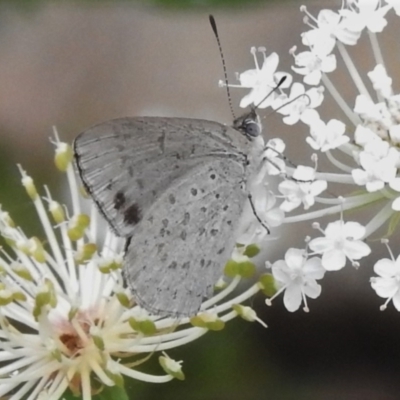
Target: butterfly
{"x":175,"y":189}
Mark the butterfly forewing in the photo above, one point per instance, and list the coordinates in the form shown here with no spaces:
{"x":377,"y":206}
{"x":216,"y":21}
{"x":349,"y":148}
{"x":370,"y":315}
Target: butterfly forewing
{"x":127,"y":163}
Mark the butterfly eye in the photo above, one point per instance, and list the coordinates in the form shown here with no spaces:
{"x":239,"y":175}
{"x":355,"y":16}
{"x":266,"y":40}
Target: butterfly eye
{"x":251,"y":128}
{"x":249,"y":124}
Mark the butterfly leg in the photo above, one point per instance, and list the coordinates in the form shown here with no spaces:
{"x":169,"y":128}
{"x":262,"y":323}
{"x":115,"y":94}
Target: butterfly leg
{"x":250,"y":197}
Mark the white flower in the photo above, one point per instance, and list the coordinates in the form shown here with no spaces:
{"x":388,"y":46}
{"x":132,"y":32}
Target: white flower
{"x":262,"y":81}
{"x":342,"y":240}
{"x":297,"y":276}
{"x":312,"y":65}
{"x":376,"y":117}
{"x":301,"y":189}
{"x":328,"y":136}
{"x":381,"y":82}
{"x":363,"y":136}
{"x":299,"y":104}
{"x":378,"y":163}
{"x":387,"y":285}
{"x":370,"y":15}
{"x":330,"y":27}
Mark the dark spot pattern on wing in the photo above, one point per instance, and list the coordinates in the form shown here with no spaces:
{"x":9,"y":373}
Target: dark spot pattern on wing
{"x":119,"y":200}
{"x":132,"y":215}
{"x":173,"y":265}
{"x":186,"y":218}
{"x":140,"y":183}
{"x":172,"y":199}
{"x":183,"y":235}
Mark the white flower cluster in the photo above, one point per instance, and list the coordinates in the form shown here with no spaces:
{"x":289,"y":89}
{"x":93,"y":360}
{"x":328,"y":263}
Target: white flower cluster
{"x":369,"y":144}
{"x":66,"y":320}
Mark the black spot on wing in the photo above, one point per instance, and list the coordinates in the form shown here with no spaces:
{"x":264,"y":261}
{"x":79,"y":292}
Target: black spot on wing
{"x":173,"y":265}
{"x":132,"y":215}
{"x":186,"y":218}
{"x":172,"y":199}
{"x":140,"y":183}
{"x":119,"y":200}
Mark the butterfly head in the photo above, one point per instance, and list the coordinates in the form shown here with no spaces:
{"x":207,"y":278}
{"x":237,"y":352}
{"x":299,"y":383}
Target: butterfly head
{"x":248,"y":124}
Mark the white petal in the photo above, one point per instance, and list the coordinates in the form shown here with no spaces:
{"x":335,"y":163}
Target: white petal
{"x":386,"y":268}
{"x":354,"y":230}
{"x":333,"y":260}
{"x":321,"y":244}
{"x":294,"y":258}
{"x":396,"y":204}
{"x":374,"y":186}
{"x":396,"y":300}
{"x":395,"y":184}
{"x":313,"y":78}
{"x":288,"y":206}
{"x":312,"y":289}
{"x":356,"y":249}
{"x":292,"y":297}
{"x":359,"y":175}
{"x":385,"y":288}
{"x":318,"y":187}
{"x":328,"y":63}
{"x":246,"y":100}
{"x":248,"y":79}
{"x":280,"y":271}
{"x":313,"y":268}
{"x":310,"y":117}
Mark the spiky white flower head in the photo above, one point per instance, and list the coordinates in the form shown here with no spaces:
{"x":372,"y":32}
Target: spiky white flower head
{"x":363,"y":147}
{"x":67,"y":322}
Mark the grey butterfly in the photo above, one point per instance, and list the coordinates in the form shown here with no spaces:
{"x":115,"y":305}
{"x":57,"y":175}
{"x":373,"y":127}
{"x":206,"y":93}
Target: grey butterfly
{"x":175,"y":189}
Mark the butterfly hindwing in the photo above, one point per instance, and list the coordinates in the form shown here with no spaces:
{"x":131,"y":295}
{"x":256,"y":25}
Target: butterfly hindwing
{"x":178,"y":251}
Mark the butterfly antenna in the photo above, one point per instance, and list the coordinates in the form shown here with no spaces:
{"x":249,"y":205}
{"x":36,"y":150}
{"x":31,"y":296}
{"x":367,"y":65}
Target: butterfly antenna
{"x":279,"y":84}
{"x":289,"y":102}
{"x":214,"y":28}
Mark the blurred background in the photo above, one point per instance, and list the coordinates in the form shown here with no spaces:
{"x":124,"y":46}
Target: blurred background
{"x":73,"y":64}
